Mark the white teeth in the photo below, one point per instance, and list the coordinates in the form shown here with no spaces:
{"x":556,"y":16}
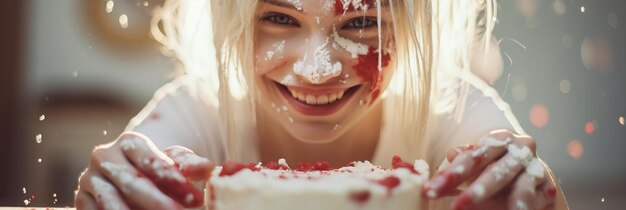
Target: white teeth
{"x":332,"y":98}
{"x":322,"y":99}
{"x":314,"y":100}
{"x":301,"y":97}
{"x":311,"y":99}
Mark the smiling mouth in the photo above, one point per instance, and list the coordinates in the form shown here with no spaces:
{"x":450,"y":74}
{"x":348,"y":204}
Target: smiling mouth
{"x":316,"y":104}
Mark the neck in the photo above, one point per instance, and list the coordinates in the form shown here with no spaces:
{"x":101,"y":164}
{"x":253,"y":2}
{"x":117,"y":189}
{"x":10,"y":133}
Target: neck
{"x":358,"y":143}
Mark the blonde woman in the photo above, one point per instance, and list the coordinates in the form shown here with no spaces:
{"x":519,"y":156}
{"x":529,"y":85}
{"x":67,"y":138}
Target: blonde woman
{"x":323,"y":80}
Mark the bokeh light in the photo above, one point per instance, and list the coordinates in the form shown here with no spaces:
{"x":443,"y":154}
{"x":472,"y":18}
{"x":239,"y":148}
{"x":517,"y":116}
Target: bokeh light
{"x":582,"y":9}
{"x":613,"y":21}
{"x":539,"y":115}
{"x":621,"y":120}
{"x":590,"y":127}
{"x":519,"y":92}
{"x":565,"y":86}
{"x":123,"y":21}
{"x":575,"y":149}
{"x":596,"y":54}
{"x":109,"y":6}
{"x":559,"y":7}
{"x":528,"y":8}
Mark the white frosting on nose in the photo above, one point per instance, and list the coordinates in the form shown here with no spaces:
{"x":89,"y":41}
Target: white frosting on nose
{"x":318,"y":68}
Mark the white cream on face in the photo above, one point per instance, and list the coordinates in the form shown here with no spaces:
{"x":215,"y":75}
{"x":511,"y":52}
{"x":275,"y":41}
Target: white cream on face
{"x":356,"y":4}
{"x":297,"y":4}
{"x":278,"y":49}
{"x":353,"y":48}
{"x":321,"y":65}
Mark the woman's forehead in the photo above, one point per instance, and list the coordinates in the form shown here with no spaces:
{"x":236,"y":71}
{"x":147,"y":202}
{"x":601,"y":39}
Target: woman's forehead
{"x":336,"y":7}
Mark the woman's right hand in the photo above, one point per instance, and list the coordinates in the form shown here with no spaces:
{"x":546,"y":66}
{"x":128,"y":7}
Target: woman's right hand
{"x":131,"y":173}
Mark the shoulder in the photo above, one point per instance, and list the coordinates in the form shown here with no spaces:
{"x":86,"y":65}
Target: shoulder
{"x":182,"y":112}
{"x":482,"y":111}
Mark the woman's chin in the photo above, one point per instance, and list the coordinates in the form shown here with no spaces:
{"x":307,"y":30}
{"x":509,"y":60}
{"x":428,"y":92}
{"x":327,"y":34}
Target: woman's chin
{"x":316,"y":133}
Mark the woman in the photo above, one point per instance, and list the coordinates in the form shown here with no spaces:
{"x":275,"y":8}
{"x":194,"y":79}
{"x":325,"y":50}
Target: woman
{"x":323,"y":80}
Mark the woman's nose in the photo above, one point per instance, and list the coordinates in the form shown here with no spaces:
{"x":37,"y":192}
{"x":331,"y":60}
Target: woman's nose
{"x":317,"y":64}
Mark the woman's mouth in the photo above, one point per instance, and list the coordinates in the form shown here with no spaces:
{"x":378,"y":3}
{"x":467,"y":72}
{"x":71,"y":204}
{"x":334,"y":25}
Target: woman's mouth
{"x":313,"y":101}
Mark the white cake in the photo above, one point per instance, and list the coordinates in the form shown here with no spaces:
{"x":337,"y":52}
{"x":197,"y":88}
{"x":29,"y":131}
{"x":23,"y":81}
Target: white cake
{"x":275,"y":186}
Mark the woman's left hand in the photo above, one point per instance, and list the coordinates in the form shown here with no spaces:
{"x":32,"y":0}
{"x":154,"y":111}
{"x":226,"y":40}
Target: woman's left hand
{"x":503,"y":172}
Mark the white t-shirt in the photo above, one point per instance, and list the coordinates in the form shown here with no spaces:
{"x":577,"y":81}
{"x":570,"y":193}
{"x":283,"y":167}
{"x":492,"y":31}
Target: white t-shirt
{"x":183,"y":113}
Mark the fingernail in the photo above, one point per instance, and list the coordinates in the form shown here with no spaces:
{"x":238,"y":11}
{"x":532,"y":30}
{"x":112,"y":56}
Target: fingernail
{"x":464,"y":201}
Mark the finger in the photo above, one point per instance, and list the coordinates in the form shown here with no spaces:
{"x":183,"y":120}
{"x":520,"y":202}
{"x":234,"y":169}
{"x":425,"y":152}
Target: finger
{"x":105,"y":194}
{"x":84,"y":200}
{"x":132,"y":184}
{"x":192,"y":166}
{"x":453,"y":152}
{"x":161,"y":170}
{"x":467,"y":164}
{"x":546,"y":197}
{"x":524,"y":190}
{"x":496,"y":176}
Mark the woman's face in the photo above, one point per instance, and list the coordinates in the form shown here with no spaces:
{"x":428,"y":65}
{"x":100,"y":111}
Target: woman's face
{"x":317,"y":63}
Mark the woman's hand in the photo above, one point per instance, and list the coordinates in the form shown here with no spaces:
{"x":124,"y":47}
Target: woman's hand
{"x":131,"y":173}
{"x":503,"y":172}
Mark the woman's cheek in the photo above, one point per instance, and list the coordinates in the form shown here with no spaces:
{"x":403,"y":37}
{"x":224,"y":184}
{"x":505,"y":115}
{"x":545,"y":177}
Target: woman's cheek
{"x":369,"y":68}
{"x":269,"y":56}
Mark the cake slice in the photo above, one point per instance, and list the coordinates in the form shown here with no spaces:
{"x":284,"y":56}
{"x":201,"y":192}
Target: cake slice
{"x":315,"y":186}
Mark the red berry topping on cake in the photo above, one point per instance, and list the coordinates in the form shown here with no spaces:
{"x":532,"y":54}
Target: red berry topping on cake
{"x":230,"y":168}
{"x":389,"y":182}
{"x":397,"y":162}
{"x":360,"y":197}
{"x":315,"y":166}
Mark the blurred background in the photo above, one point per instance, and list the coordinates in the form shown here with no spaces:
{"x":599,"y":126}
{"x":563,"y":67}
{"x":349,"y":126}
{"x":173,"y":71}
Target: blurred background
{"x":73,"y":72}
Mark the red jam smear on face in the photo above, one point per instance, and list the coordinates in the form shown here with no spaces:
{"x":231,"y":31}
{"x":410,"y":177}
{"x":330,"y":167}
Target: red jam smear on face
{"x":389,"y":182}
{"x":397,"y":162}
{"x":360,"y":197}
{"x":367,"y":69}
{"x":339,"y":6}
{"x":315,"y":166}
{"x":230,"y":168}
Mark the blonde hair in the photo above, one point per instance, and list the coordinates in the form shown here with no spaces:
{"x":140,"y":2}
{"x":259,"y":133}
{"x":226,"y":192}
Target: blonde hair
{"x":213,"y":39}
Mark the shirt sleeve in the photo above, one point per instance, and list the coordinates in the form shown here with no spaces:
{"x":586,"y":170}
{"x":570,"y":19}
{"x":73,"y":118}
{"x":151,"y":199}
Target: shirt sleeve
{"x":182,"y":113}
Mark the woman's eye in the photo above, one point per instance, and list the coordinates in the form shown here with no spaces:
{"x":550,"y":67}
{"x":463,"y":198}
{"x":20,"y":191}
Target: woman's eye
{"x":280,"y":19}
{"x":361,"y":23}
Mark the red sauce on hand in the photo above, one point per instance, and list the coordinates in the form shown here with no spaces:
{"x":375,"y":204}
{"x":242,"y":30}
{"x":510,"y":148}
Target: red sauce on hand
{"x":442,"y":182}
{"x":183,"y":192}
